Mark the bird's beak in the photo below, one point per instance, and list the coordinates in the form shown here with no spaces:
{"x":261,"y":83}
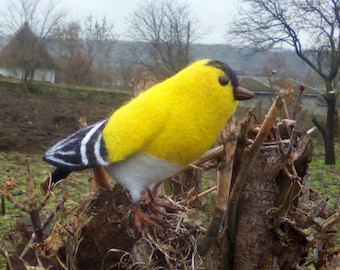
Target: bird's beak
{"x":243,"y":94}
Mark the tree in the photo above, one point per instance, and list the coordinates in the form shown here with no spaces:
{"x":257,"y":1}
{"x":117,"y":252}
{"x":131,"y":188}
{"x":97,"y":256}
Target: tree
{"x":84,"y":51}
{"x":312,"y":28}
{"x":38,"y":16}
{"x":274,"y":64}
{"x":167,"y":29}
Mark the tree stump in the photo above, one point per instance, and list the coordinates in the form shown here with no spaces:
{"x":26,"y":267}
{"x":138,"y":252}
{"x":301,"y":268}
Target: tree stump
{"x":267,"y":194}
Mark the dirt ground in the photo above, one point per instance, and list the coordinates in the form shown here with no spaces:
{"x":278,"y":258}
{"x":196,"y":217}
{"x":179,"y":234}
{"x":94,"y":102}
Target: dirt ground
{"x":30,"y":123}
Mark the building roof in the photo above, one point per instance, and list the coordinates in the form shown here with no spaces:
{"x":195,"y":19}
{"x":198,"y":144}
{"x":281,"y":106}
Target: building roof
{"x":24,"y":50}
{"x":261,"y":85}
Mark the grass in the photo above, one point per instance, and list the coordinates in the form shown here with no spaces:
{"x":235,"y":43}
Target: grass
{"x":70,"y":91}
{"x":14,"y":166}
{"x":325,"y":178}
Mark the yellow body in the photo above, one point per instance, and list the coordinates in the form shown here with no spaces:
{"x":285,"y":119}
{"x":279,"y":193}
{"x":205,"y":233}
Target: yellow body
{"x":176,"y":120}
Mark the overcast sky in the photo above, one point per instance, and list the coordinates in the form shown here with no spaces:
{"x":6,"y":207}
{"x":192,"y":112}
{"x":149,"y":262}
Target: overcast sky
{"x":213,"y":14}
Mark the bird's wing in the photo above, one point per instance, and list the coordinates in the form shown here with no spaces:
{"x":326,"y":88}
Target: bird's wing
{"x":81,"y":150}
{"x":133,"y":128}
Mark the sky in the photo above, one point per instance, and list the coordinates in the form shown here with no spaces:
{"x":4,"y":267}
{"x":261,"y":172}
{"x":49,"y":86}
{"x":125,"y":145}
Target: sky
{"x":212,"y":14}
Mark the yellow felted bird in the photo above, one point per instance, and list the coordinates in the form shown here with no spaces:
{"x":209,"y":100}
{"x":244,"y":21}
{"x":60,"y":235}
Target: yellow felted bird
{"x":158,"y":133}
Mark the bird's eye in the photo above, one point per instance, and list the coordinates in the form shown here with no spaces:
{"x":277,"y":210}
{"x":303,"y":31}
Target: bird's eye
{"x":224,"y":80}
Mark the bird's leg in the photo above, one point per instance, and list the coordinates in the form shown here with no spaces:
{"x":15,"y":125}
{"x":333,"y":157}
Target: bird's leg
{"x":101,"y":178}
{"x":140,"y":217}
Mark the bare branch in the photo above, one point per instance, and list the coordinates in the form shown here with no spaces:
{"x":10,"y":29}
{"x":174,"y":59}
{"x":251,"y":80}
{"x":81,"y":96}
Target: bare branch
{"x":42,"y":16}
{"x":33,"y":208}
{"x":166,"y":29}
{"x":85,"y":49}
{"x":310,"y":27}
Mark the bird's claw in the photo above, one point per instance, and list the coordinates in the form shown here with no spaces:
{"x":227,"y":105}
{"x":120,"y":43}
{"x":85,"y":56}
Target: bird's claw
{"x":153,"y":220}
{"x":140,"y":217}
{"x":156,"y":204}
{"x":168,"y":206}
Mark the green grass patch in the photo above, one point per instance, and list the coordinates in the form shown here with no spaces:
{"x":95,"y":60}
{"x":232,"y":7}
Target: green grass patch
{"x":14,"y":166}
{"x":69,"y":91}
{"x":325,"y":178}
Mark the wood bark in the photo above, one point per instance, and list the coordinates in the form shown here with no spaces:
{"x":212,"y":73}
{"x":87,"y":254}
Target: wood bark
{"x":273,"y":222}
{"x":267,"y":195}
{"x":327,"y":131}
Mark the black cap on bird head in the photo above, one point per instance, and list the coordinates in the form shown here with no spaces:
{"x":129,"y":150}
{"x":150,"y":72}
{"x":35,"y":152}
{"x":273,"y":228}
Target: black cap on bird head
{"x":240,"y":93}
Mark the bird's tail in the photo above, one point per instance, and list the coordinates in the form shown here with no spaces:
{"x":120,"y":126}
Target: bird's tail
{"x":59,"y":174}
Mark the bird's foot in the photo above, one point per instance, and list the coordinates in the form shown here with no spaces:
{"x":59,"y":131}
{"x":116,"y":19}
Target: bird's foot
{"x":169,"y":207}
{"x":154,"y":205}
{"x":140,"y":217}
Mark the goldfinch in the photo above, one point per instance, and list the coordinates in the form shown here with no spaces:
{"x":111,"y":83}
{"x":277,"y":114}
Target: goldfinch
{"x":158,"y":133}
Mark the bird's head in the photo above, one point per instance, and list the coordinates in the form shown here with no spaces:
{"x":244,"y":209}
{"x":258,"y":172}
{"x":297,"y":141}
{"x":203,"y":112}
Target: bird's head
{"x":210,"y":83}
{"x":228,"y":77}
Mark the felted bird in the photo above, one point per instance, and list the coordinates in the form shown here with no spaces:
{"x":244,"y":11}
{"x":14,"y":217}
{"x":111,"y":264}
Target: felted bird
{"x":158,"y":133}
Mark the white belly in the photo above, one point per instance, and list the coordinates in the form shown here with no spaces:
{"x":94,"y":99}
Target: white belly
{"x":141,"y":171}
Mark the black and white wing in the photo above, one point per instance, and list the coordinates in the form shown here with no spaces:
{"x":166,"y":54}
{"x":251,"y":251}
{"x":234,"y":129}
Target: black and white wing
{"x":83,"y":149}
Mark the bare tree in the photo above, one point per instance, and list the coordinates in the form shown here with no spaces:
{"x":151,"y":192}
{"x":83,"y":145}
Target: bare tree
{"x":274,"y":63}
{"x":84,"y":51}
{"x":41,"y":15}
{"x":38,"y":16}
{"x":166,"y":29}
{"x":312,"y":28}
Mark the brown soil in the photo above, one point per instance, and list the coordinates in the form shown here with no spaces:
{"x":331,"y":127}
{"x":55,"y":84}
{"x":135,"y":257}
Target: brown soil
{"x":31,"y":123}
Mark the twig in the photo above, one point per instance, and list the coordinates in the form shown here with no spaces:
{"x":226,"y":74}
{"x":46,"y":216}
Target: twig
{"x":275,"y":143}
{"x":242,"y":142}
{"x":291,"y":175}
{"x":330,"y":221}
{"x":3,"y":207}
{"x":320,"y":207}
{"x":34,"y":210}
{"x":82,"y":122}
{"x":13,"y":262}
{"x":38,"y":259}
{"x":225,"y":170}
{"x":198,"y":196}
{"x":30,"y":189}
{"x":278,"y":139}
{"x":285,"y":113}
{"x":209,"y":155}
{"x":45,"y":223}
{"x":336,"y":205}
{"x":297,"y":115}
{"x":57,"y":208}
{"x":46,"y":196}
{"x":18,"y":205}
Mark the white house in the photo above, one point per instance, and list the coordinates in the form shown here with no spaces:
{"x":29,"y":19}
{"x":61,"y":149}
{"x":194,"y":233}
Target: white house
{"x":24,"y":57}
